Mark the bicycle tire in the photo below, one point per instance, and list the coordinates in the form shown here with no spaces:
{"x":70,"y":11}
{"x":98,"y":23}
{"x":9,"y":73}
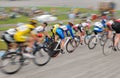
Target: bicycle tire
{"x":73,"y":44}
{"x":107,"y":48}
{"x":46,"y":47}
{"x":103,"y":39}
{"x":41,"y":57}
{"x":52,"y":52}
{"x":94,"y":42}
{"x":77,"y":38}
{"x":86,"y":39}
{"x":118,"y":46}
{"x":11,"y":56}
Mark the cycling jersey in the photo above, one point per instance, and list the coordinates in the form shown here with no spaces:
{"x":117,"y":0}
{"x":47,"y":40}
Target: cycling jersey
{"x":55,"y":27}
{"x":11,"y":31}
{"x":8,"y":35}
{"x":98,"y":27}
{"x":59,"y":30}
{"x":81,"y":26}
{"x":38,"y":29}
{"x":103,"y":21}
{"x":22,"y":32}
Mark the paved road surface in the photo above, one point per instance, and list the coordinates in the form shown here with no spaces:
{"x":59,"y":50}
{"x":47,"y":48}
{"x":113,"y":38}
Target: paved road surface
{"x":83,"y":63}
{"x":79,"y":3}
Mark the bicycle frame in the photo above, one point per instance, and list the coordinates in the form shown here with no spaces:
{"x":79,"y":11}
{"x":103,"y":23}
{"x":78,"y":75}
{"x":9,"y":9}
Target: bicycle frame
{"x":59,"y":42}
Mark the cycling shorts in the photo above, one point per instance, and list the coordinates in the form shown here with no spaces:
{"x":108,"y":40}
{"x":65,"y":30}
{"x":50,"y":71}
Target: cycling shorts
{"x":116,"y":27}
{"x":97,"y":29}
{"x":60,"y":33}
{"x":7,"y":38}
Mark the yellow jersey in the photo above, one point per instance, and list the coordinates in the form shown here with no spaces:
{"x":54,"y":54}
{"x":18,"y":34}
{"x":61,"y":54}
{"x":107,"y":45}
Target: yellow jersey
{"x":55,"y":27}
{"x":22,"y":31}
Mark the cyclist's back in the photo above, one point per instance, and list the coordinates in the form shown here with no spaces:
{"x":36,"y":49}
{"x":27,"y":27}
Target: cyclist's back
{"x":22,"y":31}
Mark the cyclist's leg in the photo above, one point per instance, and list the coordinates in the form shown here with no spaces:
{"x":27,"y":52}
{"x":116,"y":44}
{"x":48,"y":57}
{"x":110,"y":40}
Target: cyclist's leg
{"x":29,"y":42}
{"x":117,"y":39}
{"x":61,"y":35}
{"x":117,"y":36}
{"x":70,"y":30}
{"x":81,"y":34}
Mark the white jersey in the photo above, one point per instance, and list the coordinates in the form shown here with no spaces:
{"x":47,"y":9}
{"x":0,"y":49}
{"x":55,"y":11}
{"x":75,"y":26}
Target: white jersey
{"x":76,"y":25}
{"x":64,"y":27}
{"x":84,"y":24}
{"x":98,"y":24}
{"x":38,"y":29}
{"x":11,"y":31}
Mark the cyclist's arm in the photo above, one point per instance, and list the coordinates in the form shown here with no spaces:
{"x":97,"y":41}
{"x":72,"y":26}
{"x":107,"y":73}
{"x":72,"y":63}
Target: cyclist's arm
{"x":70,"y":30}
{"x":46,"y":33}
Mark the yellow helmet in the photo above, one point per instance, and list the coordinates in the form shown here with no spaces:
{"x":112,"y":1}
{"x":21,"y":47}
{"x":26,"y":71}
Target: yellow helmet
{"x":33,"y":21}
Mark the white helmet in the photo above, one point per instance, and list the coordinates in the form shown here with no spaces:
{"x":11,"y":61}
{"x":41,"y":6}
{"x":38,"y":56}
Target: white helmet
{"x":19,"y":24}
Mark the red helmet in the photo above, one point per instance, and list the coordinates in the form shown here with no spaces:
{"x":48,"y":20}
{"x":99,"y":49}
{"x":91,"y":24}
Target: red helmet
{"x":39,"y":35}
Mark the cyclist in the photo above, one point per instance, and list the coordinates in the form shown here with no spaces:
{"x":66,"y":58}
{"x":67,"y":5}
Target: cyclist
{"x":115,"y":25}
{"x":60,"y":29}
{"x":40,"y":32}
{"x":21,"y":36}
{"x":98,"y":27}
{"x":81,"y":28}
{"x":103,"y":21}
{"x":7,"y":36}
{"x":109,"y":28}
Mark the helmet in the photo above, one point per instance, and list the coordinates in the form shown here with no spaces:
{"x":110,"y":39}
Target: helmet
{"x":19,"y":24}
{"x":33,"y":21}
{"x":109,"y":23}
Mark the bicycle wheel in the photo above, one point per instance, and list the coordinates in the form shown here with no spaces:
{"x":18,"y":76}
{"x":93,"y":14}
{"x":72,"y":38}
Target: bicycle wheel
{"x":103,"y":39}
{"x":86,"y":39}
{"x":107,"y":47}
{"x":46,"y":45}
{"x":51,"y":48}
{"x":41,"y":57}
{"x":118,"y":46}
{"x":92,"y":42}
{"x":77,"y":39}
{"x":11,"y":63}
{"x":71,"y":45}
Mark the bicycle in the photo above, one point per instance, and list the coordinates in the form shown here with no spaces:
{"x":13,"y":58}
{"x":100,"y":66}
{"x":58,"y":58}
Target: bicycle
{"x":108,"y":47}
{"x":12,"y":62}
{"x":55,"y":48}
{"x":87,"y":37}
{"x":100,"y":37}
